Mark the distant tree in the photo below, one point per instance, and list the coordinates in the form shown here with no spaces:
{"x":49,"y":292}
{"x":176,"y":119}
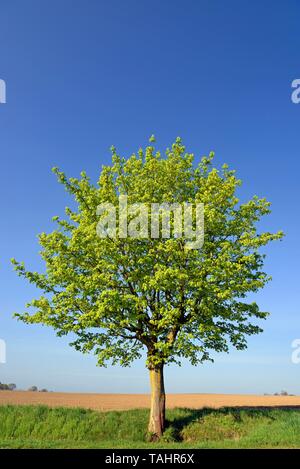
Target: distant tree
{"x":43,"y":390}
{"x":33,"y":389}
{"x":120,"y":295}
{"x":284,"y":393}
{"x":7,"y":387}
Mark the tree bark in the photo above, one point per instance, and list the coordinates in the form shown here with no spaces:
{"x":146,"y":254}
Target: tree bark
{"x":158,"y":403}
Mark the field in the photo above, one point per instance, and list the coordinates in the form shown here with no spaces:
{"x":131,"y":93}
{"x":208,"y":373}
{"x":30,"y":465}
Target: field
{"x":105,"y":402}
{"x":193,"y":421}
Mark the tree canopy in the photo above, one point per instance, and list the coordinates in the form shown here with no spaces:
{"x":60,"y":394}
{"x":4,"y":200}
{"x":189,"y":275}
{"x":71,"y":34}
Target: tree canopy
{"x":120,"y":295}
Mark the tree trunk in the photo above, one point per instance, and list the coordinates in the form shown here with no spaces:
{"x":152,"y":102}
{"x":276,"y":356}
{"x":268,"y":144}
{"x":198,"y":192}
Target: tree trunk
{"x":158,"y":403}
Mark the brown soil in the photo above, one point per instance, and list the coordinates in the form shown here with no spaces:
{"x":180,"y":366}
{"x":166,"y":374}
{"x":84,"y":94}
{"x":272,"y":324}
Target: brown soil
{"x":131,"y":401}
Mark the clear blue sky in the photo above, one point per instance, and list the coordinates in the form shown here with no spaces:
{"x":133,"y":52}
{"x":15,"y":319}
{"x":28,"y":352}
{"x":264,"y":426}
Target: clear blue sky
{"x":82,"y":76}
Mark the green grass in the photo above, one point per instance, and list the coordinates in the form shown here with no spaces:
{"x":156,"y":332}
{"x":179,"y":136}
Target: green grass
{"x":43,"y":427}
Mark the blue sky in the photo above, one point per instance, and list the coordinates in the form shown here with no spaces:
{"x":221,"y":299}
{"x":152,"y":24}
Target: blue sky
{"x":82,"y":76}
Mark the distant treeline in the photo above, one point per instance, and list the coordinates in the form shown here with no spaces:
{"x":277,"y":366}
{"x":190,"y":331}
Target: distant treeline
{"x":13,"y":386}
{"x":7,"y":387}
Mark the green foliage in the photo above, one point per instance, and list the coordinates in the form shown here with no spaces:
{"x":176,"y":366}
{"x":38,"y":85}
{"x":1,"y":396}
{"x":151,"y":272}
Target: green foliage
{"x":44,"y":427}
{"x":119,"y":296}
{"x":78,"y":424}
{"x":221,"y":425}
{"x":7,"y":387}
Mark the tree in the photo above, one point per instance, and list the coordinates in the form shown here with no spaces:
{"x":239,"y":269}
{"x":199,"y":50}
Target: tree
{"x":7,"y":387}
{"x":4,"y":387}
{"x":33,"y":389}
{"x":118,"y":296}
